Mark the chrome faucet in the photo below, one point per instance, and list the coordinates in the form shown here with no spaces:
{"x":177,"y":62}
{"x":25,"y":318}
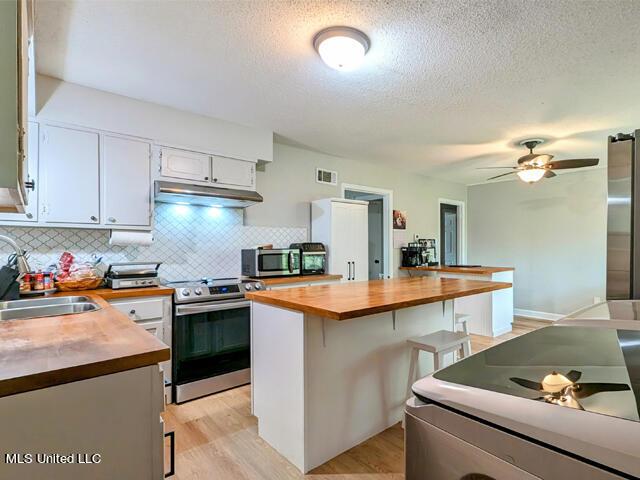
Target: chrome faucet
{"x":21,"y":260}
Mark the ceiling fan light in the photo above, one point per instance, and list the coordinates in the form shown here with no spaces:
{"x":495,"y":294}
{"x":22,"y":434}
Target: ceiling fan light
{"x":531,"y":175}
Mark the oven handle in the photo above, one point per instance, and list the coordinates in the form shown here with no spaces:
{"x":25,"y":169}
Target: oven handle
{"x":210,"y":307}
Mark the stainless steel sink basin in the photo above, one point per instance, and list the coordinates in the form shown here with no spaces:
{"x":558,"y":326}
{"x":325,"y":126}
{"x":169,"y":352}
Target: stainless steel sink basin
{"x":42,"y":302}
{"x":47,"y":310}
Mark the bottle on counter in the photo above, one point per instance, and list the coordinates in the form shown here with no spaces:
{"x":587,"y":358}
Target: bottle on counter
{"x":25,"y":283}
{"x":38,"y":283}
{"x":47,"y":280}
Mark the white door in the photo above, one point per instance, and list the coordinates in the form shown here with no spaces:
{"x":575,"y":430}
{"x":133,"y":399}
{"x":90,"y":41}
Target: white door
{"x":229,"y":171}
{"x":69,"y":166}
{"x":126,"y":181}
{"x":31,"y":210}
{"x":339,"y":250}
{"x":185,"y":164}
{"x":359,"y":246}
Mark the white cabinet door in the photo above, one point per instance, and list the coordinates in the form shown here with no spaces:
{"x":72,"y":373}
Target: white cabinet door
{"x":185,"y":164}
{"x":126,"y":181}
{"x":155,"y":328}
{"x":31,"y":210}
{"x":69,"y":167}
{"x":339,"y":250}
{"x":359,"y":244}
{"x":229,"y":171}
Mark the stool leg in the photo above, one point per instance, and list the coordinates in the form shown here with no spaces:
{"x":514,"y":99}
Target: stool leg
{"x":466,"y":349}
{"x":412,"y":370}
{"x":437,"y":361}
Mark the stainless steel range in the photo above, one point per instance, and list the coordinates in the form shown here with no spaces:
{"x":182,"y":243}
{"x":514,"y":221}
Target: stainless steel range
{"x":211,"y":336}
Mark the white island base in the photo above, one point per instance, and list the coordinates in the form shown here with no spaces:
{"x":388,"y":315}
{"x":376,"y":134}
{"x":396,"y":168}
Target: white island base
{"x":322,"y":386}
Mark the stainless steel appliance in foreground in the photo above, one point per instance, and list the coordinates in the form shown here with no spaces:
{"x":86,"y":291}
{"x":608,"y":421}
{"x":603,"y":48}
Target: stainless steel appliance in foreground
{"x":623,"y":217}
{"x":559,"y":402}
{"x":211,"y":336}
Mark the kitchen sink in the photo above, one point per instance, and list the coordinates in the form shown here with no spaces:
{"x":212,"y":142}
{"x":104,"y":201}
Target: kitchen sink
{"x":43,"y":302}
{"x":47,"y":310}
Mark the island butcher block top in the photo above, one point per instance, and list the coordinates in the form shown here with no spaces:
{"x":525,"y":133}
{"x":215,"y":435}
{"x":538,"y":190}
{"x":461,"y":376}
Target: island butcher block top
{"x":343,"y":301}
{"x":297,"y":279}
{"x":42,"y":352}
{"x":481,"y":270}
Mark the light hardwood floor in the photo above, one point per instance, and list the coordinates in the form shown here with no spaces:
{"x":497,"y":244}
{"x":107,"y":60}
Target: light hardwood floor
{"x":217,"y":438}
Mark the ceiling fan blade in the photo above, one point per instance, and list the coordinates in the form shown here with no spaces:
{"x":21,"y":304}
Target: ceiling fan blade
{"x":523,"y":382}
{"x":573,"y":163}
{"x":491,"y":168}
{"x":549,"y":174}
{"x":574,"y":375}
{"x":583,"y":390}
{"x":503,"y":175}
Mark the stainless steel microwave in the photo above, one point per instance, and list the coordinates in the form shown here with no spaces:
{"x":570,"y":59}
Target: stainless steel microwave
{"x":258,"y":262}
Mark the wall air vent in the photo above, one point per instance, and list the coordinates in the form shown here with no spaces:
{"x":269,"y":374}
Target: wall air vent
{"x":328,"y":177}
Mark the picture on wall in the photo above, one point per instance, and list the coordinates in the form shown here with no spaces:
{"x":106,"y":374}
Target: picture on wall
{"x":399,"y":220}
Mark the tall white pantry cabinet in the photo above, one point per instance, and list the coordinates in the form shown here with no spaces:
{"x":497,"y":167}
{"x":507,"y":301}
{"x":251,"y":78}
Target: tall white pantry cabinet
{"x":342,"y":225}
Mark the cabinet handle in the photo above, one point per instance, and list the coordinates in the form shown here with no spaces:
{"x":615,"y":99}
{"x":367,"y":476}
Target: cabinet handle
{"x":112,"y":220}
{"x":29,"y":215}
{"x":94,"y":218}
{"x":31,"y":185}
{"x":348,"y":270}
{"x":206,"y":178}
{"x":215,"y":179}
{"x":132,"y":311}
{"x":354,"y":270}
{"x":172,"y":454}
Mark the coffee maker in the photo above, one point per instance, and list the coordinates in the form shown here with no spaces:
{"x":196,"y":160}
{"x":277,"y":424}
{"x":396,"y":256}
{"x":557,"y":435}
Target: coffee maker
{"x":419,"y":253}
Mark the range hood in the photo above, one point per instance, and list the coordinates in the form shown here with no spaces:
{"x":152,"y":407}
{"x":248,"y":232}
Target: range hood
{"x":184,"y":193}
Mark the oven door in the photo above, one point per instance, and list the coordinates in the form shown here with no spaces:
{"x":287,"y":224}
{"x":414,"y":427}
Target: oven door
{"x":211,"y":349}
{"x":278,"y":262}
{"x":313,"y":263}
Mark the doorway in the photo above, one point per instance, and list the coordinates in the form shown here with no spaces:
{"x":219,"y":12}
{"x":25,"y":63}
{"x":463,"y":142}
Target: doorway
{"x":449,"y":234}
{"x":379,"y":223}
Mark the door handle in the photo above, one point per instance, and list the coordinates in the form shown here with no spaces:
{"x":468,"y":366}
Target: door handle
{"x":290,"y":262}
{"x":172,"y":454}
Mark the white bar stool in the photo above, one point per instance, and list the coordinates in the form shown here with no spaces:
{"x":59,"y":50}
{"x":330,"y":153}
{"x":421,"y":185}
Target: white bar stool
{"x":439,"y":343}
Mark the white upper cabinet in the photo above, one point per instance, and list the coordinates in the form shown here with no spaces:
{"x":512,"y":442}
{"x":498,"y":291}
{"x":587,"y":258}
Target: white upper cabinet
{"x":232,"y":172}
{"x":185,"y":164}
{"x":31,"y":209}
{"x":69,"y":167}
{"x":126,"y":185}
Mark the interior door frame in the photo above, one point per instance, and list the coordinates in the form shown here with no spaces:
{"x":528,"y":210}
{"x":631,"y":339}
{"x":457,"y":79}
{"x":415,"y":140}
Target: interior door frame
{"x":387,"y":221}
{"x":462,"y":229}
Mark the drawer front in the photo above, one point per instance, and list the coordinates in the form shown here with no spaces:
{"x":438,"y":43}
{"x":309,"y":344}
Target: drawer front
{"x":138,"y":310}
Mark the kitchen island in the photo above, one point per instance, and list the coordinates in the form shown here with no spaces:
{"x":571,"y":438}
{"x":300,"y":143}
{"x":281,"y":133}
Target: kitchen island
{"x":330,"y":362}
{"x":491,"y":314}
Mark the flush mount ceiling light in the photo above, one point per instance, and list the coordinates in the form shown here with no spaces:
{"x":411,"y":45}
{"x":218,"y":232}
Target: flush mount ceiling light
{"x":341,"y":48}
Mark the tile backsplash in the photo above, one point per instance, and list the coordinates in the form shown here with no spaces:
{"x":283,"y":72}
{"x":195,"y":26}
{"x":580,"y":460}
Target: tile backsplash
{"x":191,"y":241}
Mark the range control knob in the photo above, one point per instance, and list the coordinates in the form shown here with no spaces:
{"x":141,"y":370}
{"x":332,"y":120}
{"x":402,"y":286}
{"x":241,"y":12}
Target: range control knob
{"x":198,"y":291}
{"x":258,"y":286}
{"x":248,"y":286}
{"x":186,"y":292}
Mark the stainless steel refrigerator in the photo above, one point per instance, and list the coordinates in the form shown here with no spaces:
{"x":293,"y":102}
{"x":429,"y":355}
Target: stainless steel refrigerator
{"x":623,"y":217}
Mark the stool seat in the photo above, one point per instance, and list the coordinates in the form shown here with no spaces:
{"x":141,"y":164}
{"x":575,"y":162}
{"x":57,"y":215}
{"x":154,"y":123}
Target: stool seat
{"x":439,"y":341}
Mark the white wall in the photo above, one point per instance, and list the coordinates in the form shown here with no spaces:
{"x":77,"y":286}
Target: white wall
{"x":288,"y":185}
{"x":554,"y":233}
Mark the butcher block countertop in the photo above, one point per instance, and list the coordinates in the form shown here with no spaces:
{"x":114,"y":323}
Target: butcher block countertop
{"x":110,"y":294}
{"x":462,"y":270}
{"x":297,"y":279}
{"x":43,"y":352}
{"x":343,"y":301}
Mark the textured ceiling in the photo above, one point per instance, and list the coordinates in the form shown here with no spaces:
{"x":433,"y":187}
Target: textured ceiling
{"x":447,"y":86}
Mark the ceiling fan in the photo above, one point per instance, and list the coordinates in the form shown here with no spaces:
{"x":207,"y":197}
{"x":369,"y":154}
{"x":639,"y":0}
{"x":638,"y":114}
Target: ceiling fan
{"x":535,"y":166}
{"x":564,"y":390}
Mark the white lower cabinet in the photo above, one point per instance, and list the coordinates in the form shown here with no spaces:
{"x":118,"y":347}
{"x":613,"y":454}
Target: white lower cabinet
{"x":111,"y":422}
{"x":154,"y":314}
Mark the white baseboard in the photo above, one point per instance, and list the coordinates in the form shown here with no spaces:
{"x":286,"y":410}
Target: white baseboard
{"x":520,"y":312}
